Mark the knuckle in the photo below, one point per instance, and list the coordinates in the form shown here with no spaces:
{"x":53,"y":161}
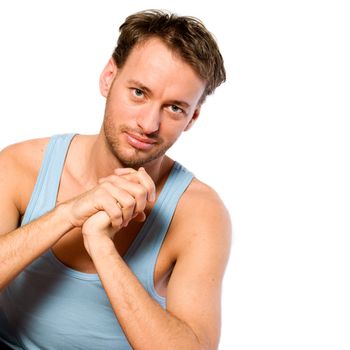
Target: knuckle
{"x":130,"y":203}
{"x":141,"y":191}
{"x":130,"y":178}
{"x":117,"y":217}
{"x":105,"y":185}
{"x":113,"y":178}
{"x":100,"y":193}
{"x":117,"y":222}
{"x":102,"y":187}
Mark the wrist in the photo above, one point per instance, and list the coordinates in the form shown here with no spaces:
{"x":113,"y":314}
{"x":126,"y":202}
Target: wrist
{"x":62,"y":211}
{"x":99,"y":245}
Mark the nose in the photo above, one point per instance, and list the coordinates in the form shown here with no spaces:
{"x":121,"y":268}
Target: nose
{"x":148,"y":119}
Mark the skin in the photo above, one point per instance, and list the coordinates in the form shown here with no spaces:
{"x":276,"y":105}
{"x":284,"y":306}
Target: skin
{"x":108,"y":187}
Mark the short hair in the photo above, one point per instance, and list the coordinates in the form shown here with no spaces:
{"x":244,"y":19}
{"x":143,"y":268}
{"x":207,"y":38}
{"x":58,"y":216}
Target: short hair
{"x":187,"y":36}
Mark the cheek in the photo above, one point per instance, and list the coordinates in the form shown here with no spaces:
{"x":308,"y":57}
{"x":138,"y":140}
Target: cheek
{"x":115,"y":111}
{"x":120,"y":106}
{"x":171,"y":131}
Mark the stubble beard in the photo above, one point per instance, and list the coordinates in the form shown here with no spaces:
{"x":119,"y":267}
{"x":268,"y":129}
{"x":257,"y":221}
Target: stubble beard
{"x":138,"y":158}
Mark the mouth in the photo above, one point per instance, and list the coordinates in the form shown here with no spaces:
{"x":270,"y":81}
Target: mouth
{"x":140,"y":142}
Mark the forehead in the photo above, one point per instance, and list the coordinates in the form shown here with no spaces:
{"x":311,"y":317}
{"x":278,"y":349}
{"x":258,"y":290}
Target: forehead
{"x":158,"y":67}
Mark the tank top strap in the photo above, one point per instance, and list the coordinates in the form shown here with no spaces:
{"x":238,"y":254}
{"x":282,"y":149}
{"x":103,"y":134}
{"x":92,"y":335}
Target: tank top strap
{"x":44,"y":195}
{"x":143,"y":253}
{"x":156,"y":225}
{"x":178,"y":181}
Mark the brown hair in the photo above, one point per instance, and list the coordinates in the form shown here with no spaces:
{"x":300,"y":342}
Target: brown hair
{"x":186,"y":35}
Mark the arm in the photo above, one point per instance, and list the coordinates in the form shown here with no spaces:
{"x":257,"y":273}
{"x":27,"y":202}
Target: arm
{"x":20,"y":246}
{"x":192,"y":317}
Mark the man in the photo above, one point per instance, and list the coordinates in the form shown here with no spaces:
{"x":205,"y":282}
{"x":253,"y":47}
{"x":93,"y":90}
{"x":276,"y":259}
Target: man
{"x":105,"y":242}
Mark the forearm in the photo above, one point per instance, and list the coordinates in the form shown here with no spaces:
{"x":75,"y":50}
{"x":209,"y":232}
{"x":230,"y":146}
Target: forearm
{"x":145,"y":323}
{"x":20,"y":247}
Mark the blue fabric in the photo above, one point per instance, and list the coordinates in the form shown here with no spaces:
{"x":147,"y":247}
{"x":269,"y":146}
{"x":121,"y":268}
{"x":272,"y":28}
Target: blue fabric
{"x":51,"y":306}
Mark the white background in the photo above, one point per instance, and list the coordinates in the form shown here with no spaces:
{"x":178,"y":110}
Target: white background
{"x":273,"y":141}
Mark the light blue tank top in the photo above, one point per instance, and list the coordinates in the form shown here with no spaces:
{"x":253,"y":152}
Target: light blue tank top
{"x":51,"y":306}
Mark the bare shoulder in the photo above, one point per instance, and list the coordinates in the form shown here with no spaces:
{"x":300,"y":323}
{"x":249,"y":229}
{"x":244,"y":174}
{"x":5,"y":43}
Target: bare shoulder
{"x":23,"y":158}
{"x":202,"y":220}
{"x":201,"y":204}
{"x":20,"y":164}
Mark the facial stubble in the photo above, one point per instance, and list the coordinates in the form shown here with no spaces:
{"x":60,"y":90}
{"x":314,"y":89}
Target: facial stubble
{"x":139,"y":158}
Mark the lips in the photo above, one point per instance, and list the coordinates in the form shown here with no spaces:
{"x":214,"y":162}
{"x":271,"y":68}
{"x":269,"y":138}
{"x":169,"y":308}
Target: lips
{"x":139,"y":142}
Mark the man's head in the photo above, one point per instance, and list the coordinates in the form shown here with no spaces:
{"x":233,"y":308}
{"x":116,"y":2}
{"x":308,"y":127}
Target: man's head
{"x":160,"y":73}
{"x":187,"y":36}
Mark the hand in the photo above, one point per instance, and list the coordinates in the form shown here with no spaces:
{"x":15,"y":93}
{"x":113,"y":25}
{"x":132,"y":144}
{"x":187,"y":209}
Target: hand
{"x":98,"y":228}
{"x":122,"y":196}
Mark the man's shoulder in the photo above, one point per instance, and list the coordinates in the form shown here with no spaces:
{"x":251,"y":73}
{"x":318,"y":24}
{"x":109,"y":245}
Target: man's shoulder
{"x":202,"y":197}
{"x":202,"y":209}
{"x":25,"y":155}
{"x":201,"y":224}
{"x":20,"y":164}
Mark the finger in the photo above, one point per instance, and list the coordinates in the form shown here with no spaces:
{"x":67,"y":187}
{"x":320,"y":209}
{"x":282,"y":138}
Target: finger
{"x":113,"y":210}
{"x":122,"y":198}
{"x":102,"y":179}
{"x":147,"y":181}
{"x":131,"y":177}
{"x":142,"y":177}
{"x":124,"y":171}
{"x":127,"y":173}
{"x":135,"y":189}
{"x":127,"y":204}
{"x":119,"y":172}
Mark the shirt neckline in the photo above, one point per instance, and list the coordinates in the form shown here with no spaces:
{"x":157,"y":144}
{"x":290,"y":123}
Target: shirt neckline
{"x":133,"y":246}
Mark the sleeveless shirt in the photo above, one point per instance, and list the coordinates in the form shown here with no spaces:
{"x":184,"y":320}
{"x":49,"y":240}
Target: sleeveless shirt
{"x":51,"y":306}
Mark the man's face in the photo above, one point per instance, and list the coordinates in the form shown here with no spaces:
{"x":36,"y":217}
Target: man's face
{"x":150,"y":102}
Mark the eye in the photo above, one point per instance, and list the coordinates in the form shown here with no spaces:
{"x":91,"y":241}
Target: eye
{"x":138,"y":92}
{"x":176,"y":109}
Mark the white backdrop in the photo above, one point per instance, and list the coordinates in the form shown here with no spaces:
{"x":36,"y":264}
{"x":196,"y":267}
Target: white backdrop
{"x":273,"y":141}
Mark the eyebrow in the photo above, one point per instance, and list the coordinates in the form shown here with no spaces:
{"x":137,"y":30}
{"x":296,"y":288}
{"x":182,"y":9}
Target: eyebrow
{"x":140,"y":85}
{"x":180,"y":103}
{"x":146,"y":89}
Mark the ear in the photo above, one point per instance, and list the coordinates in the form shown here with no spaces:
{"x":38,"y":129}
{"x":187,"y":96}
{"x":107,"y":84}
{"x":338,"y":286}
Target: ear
{"x":193,"y":119}
{"x":107,"y":76}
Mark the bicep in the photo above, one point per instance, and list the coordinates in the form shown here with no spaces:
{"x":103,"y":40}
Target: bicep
{"x":9,"y":216}
{"x":194,"y":289}
{"x":9,"y":213}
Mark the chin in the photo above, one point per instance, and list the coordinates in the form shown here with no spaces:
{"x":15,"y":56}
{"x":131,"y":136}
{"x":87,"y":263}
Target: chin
{"x":132,"y":162}
{"x":136,"y":162}
{"x":136,"y":159}
{"x":130,"y":157}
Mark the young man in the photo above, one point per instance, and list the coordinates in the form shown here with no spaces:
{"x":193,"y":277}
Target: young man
{"x":105,"y":242}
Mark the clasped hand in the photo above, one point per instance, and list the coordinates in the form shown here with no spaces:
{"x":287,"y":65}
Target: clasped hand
{"x":117,"y":199}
